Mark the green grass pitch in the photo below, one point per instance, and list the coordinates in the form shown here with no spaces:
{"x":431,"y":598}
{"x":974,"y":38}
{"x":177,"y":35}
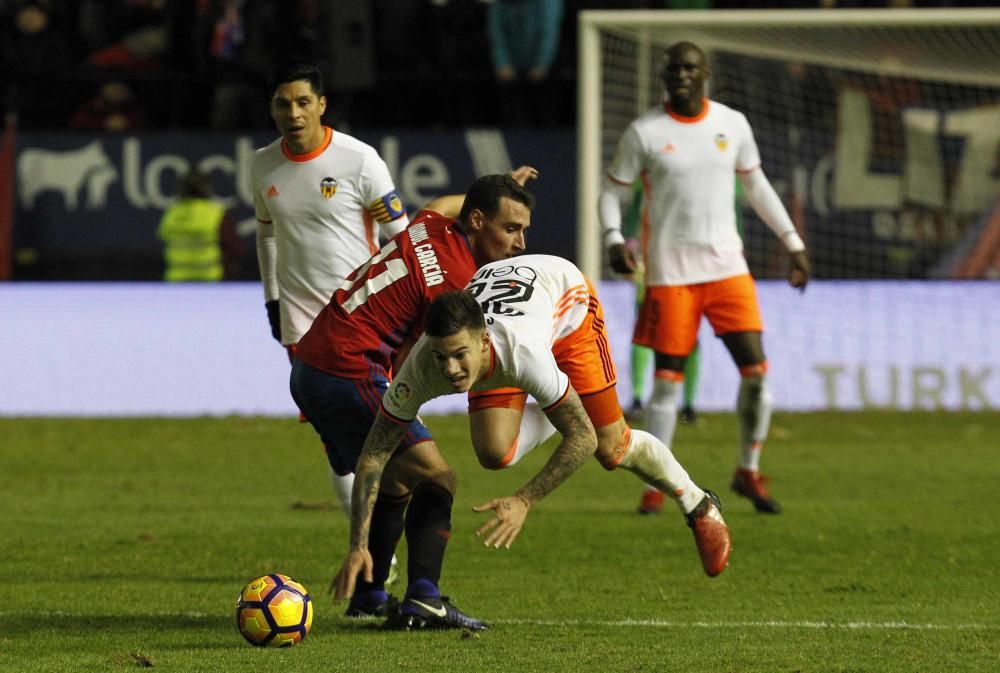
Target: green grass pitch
{"x":125,"y":543}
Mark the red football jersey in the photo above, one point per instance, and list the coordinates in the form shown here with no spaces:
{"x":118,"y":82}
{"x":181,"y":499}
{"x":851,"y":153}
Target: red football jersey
{"x":381,"y":305}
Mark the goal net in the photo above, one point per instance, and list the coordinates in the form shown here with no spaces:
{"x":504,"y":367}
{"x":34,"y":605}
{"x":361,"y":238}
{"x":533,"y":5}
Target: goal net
{"x":880,"y":129}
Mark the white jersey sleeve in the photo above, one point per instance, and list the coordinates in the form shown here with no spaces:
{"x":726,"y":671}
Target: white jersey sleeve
{"x":748,"y":156}
{"x":267,"y":260}
{"x":629,"y":159}
{"x":417,"y":382}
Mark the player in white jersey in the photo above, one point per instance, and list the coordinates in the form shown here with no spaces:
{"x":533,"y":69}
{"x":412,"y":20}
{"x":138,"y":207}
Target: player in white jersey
{"x":686,"y":155}
{"x":527,"y":325}
{"x":323,"y":199}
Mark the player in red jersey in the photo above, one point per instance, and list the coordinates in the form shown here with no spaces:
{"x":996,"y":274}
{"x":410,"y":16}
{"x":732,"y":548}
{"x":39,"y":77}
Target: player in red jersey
{"x":342,"y":368}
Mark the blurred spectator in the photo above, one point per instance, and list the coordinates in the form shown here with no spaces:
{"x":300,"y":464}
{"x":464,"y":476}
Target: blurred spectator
{"x":237,"y":41}
{"x":199,"y":235}
{"x":34,"y":41}
{"x":524,"y":37}
{"x":137,"y":28}
{"x":113,"y":108}
{"x":35,"y":50}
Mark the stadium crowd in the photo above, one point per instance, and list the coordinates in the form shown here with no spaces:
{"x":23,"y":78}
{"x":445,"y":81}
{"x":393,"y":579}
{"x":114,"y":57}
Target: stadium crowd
{"x":131,"y":64}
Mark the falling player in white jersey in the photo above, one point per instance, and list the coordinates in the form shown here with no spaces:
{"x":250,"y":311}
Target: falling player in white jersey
{"x":526,"y":325}
{"x":686,"y":154}
{"x":323,"y":200}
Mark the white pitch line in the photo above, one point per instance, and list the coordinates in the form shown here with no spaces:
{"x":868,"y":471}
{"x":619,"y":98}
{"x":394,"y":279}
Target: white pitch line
{"x":768,"y":624}
{"x":622,"y":623}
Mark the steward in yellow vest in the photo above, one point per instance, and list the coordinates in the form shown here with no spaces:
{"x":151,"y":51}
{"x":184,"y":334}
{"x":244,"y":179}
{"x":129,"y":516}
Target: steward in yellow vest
{"x":190,"y":228}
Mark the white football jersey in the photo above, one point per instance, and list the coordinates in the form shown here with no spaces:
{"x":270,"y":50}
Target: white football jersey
{"x":530,"y":302}
{"x":688,"y":168}
{"x":324,"y":210}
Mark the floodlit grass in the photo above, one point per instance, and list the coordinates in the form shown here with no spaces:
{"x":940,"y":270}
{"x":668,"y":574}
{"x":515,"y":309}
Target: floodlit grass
{"x":125,"y":543}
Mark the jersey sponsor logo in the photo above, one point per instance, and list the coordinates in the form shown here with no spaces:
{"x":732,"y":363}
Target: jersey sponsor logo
{"x":328,"y":187}
{"x":429,"y":266}
{"x":668,"y":148}
{"x":272,"y":192}
{"x":721,"y":141}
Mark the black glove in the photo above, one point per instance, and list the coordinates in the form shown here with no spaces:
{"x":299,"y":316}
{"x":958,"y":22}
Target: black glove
{"x":274,"y":317}
{"x":620,"y":260}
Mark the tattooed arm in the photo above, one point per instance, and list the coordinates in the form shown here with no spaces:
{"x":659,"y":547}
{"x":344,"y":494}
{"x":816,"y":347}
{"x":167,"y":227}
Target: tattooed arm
{"x":579,"y":441}
{"x":382,"y":440}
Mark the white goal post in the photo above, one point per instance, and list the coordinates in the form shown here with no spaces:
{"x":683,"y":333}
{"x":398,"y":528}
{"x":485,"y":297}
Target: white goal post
{"x":879,"y":128}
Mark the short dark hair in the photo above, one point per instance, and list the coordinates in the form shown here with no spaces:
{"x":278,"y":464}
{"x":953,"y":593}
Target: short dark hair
{"x":195,"y":185}
{"x":293,"y":70}
{"x":485,"y":194}
{"x":452,"y":312}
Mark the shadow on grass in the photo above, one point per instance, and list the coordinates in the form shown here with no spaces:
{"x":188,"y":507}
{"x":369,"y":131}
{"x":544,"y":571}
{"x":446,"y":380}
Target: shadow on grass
{"x":83,"y":625}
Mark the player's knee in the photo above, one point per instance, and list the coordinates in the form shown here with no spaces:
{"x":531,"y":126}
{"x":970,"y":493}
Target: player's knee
{"x":493,"y":456}
{"x":753,"y":374}
{"x":612,"y":444}
{"x":445,"y":478}
{"x":491,"y":463}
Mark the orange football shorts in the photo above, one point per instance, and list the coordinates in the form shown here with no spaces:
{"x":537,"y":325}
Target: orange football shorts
{"x":670,"y":314}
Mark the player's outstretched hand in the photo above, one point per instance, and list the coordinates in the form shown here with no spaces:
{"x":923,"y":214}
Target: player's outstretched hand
{"x":798,"y":277}
{"x":357,"y":561}
{"x":524,"y":173}
{"x":501,"y":530}
{"x":621,"y":259}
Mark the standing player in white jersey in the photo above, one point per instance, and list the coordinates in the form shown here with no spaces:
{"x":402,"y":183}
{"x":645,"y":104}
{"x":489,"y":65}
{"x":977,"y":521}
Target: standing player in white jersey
{"x":686,"y":154}
{"x":526,"y":325}
{"x":323,"y":199}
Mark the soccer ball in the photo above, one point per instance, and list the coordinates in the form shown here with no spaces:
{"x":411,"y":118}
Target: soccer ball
{"x":274,"y":611}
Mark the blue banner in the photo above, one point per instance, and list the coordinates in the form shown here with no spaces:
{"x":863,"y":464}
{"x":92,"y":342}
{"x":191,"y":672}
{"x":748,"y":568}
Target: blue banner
{"x":101,"y":196}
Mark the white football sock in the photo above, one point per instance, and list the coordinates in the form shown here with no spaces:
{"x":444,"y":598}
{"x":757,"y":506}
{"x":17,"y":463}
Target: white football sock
{"x":753,"y":408}
{"x":661,"y":419}
{"x":654,"y":463}
{"x":342,"y":489}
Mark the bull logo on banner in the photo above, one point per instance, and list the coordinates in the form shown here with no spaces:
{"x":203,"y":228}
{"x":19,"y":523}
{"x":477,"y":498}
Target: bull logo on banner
{"x":66,"y":172}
